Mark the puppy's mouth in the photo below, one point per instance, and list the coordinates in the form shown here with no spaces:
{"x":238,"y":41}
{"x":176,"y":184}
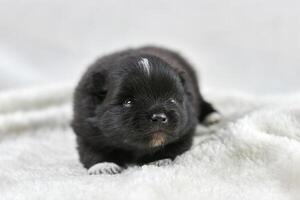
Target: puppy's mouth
{"x":157,"y":139}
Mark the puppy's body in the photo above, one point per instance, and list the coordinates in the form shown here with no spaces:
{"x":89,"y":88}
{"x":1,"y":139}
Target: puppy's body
{"x":137,"y":106}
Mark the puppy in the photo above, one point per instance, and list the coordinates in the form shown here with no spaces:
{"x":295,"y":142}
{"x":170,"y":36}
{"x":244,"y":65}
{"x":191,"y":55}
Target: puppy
{"x":137,"y":106}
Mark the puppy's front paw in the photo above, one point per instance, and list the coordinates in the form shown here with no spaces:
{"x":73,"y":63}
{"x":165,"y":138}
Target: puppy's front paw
{"x":105,"y":168}
{"x":163,"y":162}
{"x":212,"y":118}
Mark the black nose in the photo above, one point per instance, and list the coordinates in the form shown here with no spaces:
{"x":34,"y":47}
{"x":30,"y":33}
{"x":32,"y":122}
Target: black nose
{"x":161,"y":117}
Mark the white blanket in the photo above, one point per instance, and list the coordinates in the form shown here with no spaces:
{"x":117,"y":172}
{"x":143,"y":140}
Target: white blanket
{"x":253,"y":154}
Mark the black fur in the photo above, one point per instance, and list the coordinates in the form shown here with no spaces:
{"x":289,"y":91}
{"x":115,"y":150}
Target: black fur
{"x":116,"y":98}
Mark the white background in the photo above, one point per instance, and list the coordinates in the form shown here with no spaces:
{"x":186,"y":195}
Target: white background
{"x":248,"y":45}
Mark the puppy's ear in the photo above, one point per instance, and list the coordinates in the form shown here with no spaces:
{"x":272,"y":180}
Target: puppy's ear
{"x":97,"y":84}
{"x":182,"y":76}
{"x":185,"y":81}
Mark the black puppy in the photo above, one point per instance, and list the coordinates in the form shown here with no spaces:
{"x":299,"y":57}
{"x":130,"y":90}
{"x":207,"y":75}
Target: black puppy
{"x":137,"y":106}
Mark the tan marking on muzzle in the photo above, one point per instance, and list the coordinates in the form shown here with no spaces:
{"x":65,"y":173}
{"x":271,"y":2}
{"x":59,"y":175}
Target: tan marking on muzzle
{"x":157,"y":139}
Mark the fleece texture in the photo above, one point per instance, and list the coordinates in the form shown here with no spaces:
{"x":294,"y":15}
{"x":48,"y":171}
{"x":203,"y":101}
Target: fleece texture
{"x":254,"y":153}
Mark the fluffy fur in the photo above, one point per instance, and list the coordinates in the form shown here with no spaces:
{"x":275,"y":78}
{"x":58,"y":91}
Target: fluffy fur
{"x":137,"y":106}
{"x":254,"y":153}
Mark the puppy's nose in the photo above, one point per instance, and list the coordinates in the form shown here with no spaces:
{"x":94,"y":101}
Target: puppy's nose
{"x":160,"y":117}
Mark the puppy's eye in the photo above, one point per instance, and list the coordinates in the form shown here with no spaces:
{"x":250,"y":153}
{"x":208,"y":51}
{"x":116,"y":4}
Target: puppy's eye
{"x":173,"y":101}
{"x":128,"y":103}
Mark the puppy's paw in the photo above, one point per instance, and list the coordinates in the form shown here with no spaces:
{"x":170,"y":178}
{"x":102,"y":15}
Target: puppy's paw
{"x":212,"y":118}
{"x":163,"y":162}
{"x":105,"y":168}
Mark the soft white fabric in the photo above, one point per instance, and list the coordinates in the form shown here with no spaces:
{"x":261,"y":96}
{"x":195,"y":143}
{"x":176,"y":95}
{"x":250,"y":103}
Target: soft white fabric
{"x":253,"y":154}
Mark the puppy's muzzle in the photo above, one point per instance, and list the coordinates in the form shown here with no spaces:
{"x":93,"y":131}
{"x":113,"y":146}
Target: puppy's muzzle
{"x":159,"y":118}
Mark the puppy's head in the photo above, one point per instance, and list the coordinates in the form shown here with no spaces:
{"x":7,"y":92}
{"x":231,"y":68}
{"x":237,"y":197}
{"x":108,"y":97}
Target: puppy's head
{"x":145,"y":105}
